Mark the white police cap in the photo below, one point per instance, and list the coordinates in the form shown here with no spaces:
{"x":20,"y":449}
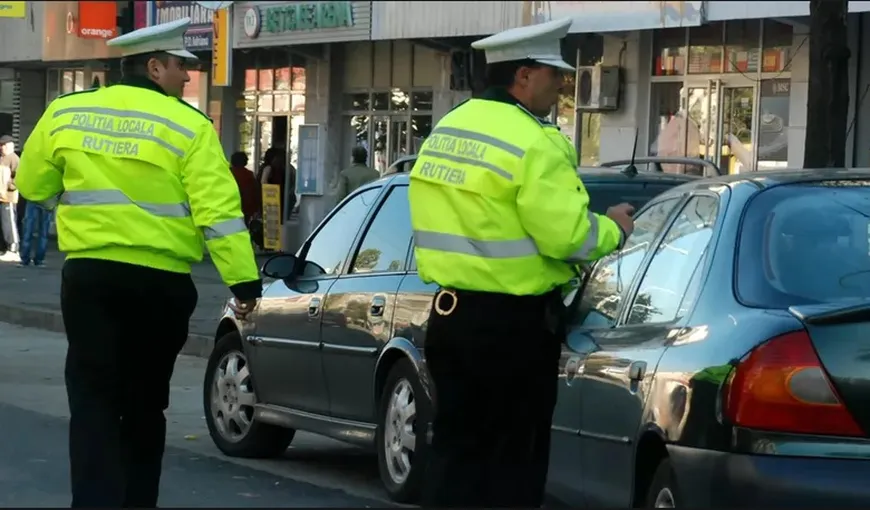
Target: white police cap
{"x":540,"y":43}
{"x":165,"y":37}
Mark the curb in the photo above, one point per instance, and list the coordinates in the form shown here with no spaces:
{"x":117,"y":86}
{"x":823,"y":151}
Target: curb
{"x":52,"y":320}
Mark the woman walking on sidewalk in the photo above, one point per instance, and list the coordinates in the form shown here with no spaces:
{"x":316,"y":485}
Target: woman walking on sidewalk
{"x":37,"y":220}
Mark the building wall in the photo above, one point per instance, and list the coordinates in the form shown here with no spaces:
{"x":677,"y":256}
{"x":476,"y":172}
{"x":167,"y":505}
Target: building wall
{"x":410,"y":19}
{"x":21,"y":38}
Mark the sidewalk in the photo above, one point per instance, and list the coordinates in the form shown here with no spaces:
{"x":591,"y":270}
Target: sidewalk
{"x":30,"y":297}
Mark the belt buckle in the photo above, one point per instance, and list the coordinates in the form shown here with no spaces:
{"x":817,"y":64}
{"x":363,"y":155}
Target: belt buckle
{"x":437,"y":304}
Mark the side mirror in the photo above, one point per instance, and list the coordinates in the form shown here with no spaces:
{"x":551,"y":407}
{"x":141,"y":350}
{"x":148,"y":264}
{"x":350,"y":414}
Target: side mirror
{"x":281,"y":266}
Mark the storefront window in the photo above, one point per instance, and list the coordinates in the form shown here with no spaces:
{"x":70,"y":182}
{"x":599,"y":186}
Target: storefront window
{"x":298,"y":79}
{"x":669,"y":52}
{"x":668,"y":126}
{"x":282,"y":78}
{"x":773,"y":124}
{"x":777,"y":42}
{"x":52,"y":88}
{"x":705,"y":49}
{"x":250,"y":80}
{"x":266,"y":79}
{"x":389,"y":124}
{"x":742,"y":39}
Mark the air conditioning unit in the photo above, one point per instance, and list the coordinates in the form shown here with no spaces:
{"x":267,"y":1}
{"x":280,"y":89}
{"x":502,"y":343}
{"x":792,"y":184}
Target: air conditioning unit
{"x":598,"y":88}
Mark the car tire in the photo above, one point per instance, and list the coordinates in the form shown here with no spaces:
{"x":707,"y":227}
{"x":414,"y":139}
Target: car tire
{"x":663,"y":490}
{"x":401,"y":469}
{"x":231,"y":424}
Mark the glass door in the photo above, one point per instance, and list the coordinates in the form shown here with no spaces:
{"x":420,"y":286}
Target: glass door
{"x":398,"y":140}
{"x":264,"y":137}
{"x":702,"y":101}
{"x":379,"y":144}
{"x":736,"y":137}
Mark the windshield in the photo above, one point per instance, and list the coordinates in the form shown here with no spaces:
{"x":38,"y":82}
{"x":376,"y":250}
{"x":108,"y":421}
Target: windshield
{"x":805,"y":244}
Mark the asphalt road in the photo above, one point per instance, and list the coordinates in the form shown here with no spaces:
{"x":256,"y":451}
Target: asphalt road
{"x":315,"y":472}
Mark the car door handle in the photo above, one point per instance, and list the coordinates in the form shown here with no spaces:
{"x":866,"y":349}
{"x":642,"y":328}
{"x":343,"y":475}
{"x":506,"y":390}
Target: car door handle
{"x":379,"y":303}
{"x":637,"y":371}
{"x":314,"y":307}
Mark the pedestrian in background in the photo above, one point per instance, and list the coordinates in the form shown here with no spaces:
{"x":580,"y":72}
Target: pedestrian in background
{"x":9,"y":199}
{"x":37,"y":222}
{"x":357,"y":174}
{"x":135,"y":206}
{"x":249,"y":188}
{"x":500,"y":219}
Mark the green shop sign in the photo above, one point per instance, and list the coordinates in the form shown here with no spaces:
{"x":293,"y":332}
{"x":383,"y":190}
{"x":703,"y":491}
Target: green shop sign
{"x":298,"y":16}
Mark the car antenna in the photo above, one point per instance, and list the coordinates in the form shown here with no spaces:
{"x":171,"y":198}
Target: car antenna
{"x":631,"y":169}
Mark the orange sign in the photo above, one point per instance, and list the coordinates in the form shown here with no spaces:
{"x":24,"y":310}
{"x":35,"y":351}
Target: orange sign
{"x":98,"y":20}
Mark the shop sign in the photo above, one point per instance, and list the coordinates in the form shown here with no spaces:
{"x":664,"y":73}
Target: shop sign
{"x":221,"y":56}
{"x":199,"y":36}
{"x":272,"y":216}
{"x":98,"y":20}
{"x":621,"y":16}
{"x":297,"y":16}
{"x":13,"y":9}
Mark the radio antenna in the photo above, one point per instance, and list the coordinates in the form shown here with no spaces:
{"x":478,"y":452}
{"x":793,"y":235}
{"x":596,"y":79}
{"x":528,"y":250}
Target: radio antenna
{"x":631,"y":169}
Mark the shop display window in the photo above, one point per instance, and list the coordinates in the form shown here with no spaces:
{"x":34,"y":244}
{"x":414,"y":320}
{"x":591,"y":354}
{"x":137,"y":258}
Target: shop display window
{"x":742,"y":51}
{"x":669,"y":52}
{"x":776,"y":47}
{"x":705,"y":49}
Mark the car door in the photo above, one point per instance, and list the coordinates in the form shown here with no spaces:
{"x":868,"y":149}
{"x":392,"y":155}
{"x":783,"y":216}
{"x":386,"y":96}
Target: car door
{"x":597,"y":310}
{"x":287,"y":346}
{"x":358,"y":312}
{"x":618,"y":374}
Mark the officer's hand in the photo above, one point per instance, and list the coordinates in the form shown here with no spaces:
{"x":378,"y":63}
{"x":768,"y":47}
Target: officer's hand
{"x":241,"y":309}
{"x":622,"y":215}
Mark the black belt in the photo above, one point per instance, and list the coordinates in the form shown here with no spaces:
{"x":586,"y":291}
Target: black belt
{"x":491,"y":305}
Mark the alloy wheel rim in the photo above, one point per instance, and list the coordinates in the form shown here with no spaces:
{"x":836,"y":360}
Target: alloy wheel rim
{"x":400,"y":431}
{"x":665,"y":499}
{"x":232,"y":397}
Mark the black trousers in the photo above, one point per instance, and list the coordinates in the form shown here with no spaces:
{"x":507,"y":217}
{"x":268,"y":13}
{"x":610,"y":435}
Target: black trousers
{"x":494,"y":363}
{"x":125,"y":326}
{"x":9,"y":226}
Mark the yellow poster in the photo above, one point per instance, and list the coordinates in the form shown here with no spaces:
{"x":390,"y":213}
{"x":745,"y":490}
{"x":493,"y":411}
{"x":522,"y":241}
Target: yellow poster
{"x":271,"y":217}
{"x":221,"y":62}
{"x":13,"y":10}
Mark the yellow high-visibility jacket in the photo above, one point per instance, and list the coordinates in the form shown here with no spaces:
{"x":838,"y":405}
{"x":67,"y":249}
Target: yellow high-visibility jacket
{"x":496,"y":203}
{"x":138,"y":177}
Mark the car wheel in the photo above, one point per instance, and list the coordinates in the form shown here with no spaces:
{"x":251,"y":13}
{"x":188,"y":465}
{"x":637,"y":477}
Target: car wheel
{"x":663,"y":491}
{"x":404,"y":412}
{"x":228,"y":400}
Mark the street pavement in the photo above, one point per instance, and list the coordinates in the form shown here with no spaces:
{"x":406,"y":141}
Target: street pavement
{"x":315,"y":471}
{"x":30,"y":296}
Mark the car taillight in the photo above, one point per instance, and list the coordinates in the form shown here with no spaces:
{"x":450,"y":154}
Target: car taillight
{"x":781,"y":386}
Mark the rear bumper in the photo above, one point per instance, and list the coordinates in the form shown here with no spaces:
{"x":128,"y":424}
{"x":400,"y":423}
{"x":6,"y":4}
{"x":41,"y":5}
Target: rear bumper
{"x":711,"y":479}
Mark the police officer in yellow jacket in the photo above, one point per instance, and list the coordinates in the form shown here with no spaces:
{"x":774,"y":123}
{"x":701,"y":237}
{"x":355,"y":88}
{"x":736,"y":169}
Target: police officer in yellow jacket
{"x":141,"y":186}
{"x":500,"y":218}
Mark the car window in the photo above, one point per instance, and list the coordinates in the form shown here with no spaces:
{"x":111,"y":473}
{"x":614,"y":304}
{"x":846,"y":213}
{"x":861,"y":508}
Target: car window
{"x":384,"y":247}
{"x":612,"y":276}
{"x":602,"y":196}
{"x":662,"y":294}
{"x":332,"y":242}
{"x":806,"y":243}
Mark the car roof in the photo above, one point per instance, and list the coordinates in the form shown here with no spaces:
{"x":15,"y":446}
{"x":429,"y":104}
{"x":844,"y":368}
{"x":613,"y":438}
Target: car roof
{"x":769,"y":178}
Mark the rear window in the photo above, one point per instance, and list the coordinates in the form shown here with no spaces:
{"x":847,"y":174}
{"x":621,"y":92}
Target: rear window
{"x":602,"y":196}
{"x":805,"y":244}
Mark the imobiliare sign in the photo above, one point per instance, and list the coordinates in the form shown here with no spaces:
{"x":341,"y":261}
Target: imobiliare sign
{"x":199,"y":36}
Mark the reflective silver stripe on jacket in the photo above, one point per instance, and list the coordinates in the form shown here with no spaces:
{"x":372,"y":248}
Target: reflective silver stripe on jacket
{"x":49,"y":203}
{"x":501,"y":249}
{"x":468,"y":246}
{"x":590,"y":243}
{"x":480,"y":137}
{"x":128,"y":114}
{"x":224,"y":228}
{"x":116,"y":197}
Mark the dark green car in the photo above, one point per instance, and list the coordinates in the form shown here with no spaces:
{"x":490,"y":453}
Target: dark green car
{"x":337,"y":350}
